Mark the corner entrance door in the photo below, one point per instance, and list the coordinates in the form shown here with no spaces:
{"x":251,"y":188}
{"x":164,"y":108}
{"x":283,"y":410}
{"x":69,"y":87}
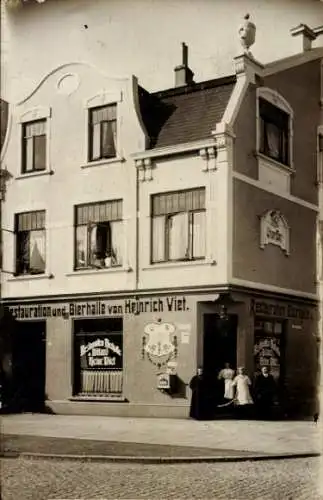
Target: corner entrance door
{"x":220,"y":344}
{"x":29,"y":353}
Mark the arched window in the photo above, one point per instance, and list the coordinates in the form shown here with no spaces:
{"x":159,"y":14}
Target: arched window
{"x":274,"y":127}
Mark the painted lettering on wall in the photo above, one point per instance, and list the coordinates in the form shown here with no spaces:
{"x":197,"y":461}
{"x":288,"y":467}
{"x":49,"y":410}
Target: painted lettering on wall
{"x":261,"y":308}
{"x":100,"y":308}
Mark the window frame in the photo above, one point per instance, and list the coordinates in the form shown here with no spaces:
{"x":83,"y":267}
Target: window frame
{"x":261,"y":334}
{"x":32,"y":115}
{"x":19,"y":271}
{"x":89,"y":227}
{"x":24,"y":140}
{"x":190,"y":232}
{"x":282,"y":131}
{"x":80,"y":331}
{"x":90,"y":141}
{"x":273,"y":98}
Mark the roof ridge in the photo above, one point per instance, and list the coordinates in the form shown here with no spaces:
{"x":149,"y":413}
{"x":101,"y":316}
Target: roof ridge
{"x":194,"y":87}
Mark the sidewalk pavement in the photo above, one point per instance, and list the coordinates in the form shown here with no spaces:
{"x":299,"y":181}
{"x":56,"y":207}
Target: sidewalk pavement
{"x":219,"y":438}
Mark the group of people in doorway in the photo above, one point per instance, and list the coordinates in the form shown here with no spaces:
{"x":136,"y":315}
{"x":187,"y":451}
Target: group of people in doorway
{"x":236,"y":391}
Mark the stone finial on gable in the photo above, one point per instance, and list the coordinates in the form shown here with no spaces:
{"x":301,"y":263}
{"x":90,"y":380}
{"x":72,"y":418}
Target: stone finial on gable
{"x":247,"y":34}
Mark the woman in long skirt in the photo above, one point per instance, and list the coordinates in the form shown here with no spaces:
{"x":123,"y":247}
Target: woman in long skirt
{"x":242,"y":384}
{"x":227,"y":375}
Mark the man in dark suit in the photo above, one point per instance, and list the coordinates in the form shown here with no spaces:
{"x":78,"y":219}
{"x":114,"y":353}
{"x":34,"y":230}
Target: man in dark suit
{"x":265,"y":394}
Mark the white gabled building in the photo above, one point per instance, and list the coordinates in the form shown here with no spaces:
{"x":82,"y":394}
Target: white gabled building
{"x":146,"y":233}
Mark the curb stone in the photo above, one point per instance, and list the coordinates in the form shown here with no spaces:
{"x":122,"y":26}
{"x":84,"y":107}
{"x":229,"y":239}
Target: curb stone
{"x":158,"y":460}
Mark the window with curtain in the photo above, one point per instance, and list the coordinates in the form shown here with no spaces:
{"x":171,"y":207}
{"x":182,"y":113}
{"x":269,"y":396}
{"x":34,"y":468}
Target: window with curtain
{"x":99,"y":238}
{"x":274,"y":132}
{"x":30,"y":243}
{"x":34,"y":146}
{"x":178,"y":225}
{"x":103,"y":132}
{"x":98,"y":357}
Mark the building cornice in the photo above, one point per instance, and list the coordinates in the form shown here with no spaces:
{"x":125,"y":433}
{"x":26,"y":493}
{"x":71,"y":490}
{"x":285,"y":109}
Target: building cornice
{"x":235,"y":285}
{"x":293,"y":61}
{"x":173,"y":150}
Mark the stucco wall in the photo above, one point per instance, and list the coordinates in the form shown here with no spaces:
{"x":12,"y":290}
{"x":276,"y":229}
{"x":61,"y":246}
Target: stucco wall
{"x":70,"y":180}
{"x":245,"y":161}
{"x":177,"y":174}
{"x":305,"y":104}
{"x":301,"y":87}
{"x":270,"y":265}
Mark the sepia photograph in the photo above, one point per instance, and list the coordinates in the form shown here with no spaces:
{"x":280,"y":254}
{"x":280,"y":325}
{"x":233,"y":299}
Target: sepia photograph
{"x":161,"y":250}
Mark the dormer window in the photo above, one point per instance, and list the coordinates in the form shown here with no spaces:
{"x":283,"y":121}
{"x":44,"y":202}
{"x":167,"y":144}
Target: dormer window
{"x":274,"y":129}
{"x":103,"y":132}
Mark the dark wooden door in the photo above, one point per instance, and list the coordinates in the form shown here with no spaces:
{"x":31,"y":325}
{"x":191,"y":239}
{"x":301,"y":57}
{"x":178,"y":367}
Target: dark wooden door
{"x":29,"y":363}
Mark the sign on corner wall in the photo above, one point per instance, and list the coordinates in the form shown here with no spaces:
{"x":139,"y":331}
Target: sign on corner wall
{"x":274,"y":230}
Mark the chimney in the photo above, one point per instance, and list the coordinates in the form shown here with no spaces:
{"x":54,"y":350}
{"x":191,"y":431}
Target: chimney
{"x":183,"y":74}
{"x":305,"y":36}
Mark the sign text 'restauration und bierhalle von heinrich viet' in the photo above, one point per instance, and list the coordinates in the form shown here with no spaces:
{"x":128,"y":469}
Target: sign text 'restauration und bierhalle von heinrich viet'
{"x":100,"y":308}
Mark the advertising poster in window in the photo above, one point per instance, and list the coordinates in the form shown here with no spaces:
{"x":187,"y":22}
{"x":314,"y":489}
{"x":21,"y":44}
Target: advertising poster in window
{"x":101,"y":352}
{"x":267,"y":346}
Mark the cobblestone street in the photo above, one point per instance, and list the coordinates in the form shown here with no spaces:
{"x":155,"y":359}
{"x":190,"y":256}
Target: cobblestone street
{"x":25,"y":479}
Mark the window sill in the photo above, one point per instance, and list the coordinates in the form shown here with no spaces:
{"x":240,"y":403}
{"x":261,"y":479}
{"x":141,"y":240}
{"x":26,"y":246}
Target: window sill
{"x":103,"y":162}
{"x":117,"y":269}
{"x":183,"y":263}
{"x":106,"y":398}
{"x":27,"y":277}
{"x":270,"y":162}
{"x":40,"y":173}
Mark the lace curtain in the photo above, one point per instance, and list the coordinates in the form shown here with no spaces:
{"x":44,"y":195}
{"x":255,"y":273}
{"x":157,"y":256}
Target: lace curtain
{"x":37,"y":251}
{"x":178,"y":236}
{"x":198,"y":230}
{"x":158,"y":250}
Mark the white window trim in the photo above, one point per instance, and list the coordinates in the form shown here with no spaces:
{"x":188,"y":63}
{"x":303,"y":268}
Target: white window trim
{"x":280,"y":102}
{"x":102,"y":99}
{"x":30,"y":115}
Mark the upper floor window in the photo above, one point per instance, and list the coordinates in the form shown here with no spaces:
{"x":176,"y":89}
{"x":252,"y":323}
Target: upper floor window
{"x":99,"y":235}
{"x":275,"y":128}
{"x":178,"y":225}
{"x":30,"y":242}
{"x":274,"y":132}
{"x":103,"y":132}
{"x":34,"y":146}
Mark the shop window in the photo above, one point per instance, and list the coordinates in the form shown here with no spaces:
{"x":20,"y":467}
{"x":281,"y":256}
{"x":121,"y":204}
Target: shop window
{"x":99,"y":237}
{"x":103,"y":132}
{"x":34,"y":146}
{"x":98,"y":367}
{"x":30,"y":242}
{"x":268,"y":345}
{"x":178,"y":226}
